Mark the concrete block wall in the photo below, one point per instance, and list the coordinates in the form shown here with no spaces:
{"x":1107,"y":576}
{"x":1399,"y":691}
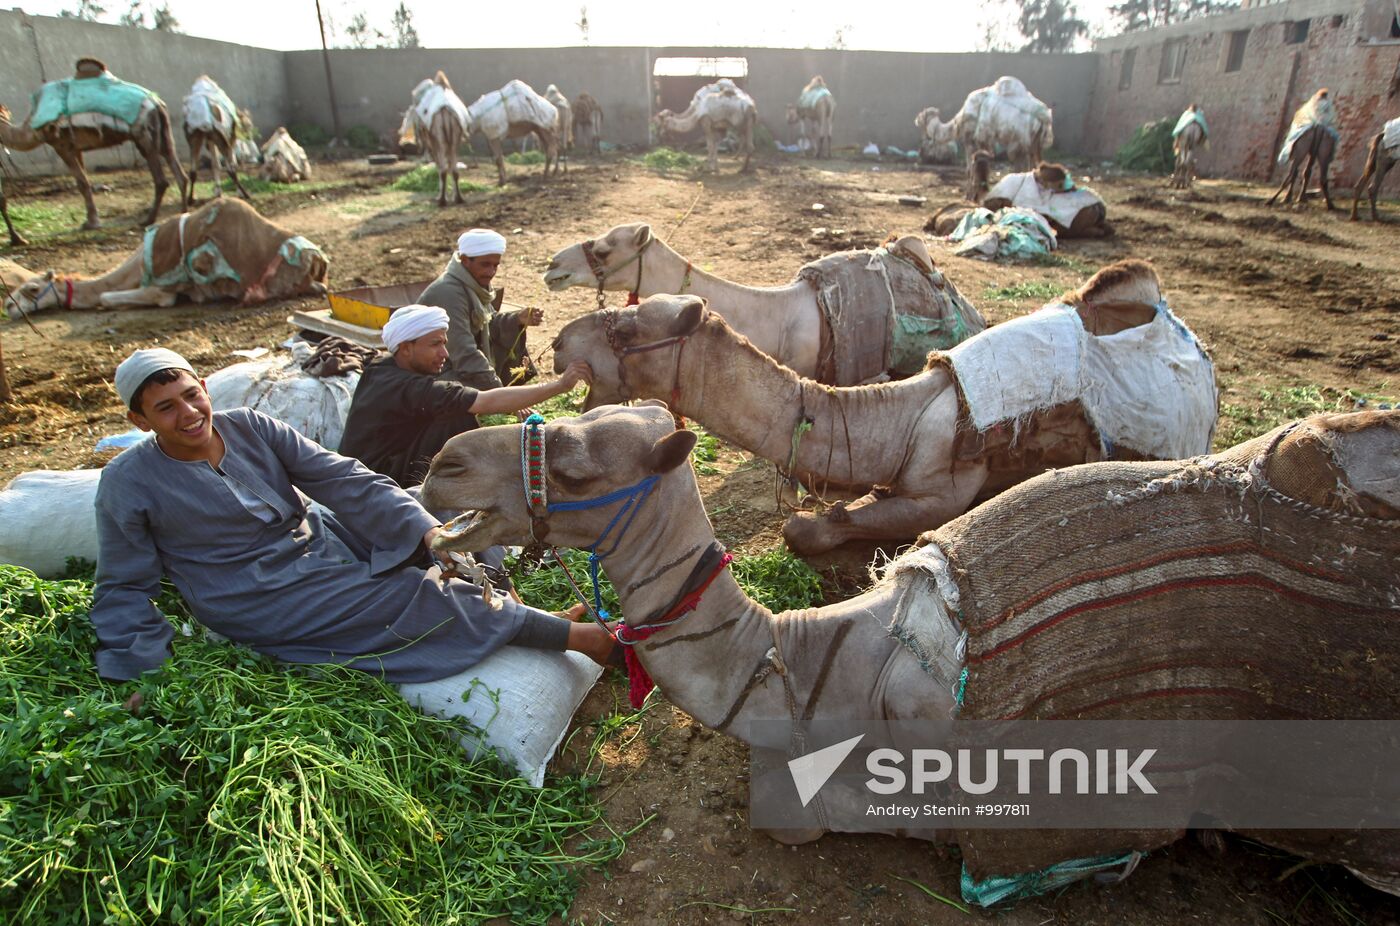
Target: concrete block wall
{"x":35,"y":49}
{"x":1347,"y":50}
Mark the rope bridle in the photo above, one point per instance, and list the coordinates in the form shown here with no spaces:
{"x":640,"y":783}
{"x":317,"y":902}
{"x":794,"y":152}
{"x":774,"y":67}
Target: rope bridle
{"x":535,"y":480}
{"x":622,"y":352}
{"x":601,"y":272}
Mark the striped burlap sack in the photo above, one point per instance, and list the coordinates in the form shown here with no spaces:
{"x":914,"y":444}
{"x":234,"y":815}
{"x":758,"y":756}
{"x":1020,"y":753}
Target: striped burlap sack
{"x":1259,"y":583}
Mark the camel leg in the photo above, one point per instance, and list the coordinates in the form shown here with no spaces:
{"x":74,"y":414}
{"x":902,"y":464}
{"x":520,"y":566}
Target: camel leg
{"x":1382,"y":168}
{"x":146,"y":295}
{"x":153,"y":163}
{"x":231,"y":165}
{"x":873,"y":517}
{"x":456,"y":184}
{"x":1287,"y":183}
{"x":73,"y":160}
{"x":500,"y":158}
{"x":1324,"y":168}
{"x":712,"y":149}
{"x":15,"y":239}
{"x":747,"y":142}
{"x":196,"y":144}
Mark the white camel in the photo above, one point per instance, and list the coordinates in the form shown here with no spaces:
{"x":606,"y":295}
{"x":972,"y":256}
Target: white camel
{"x":938,"y":140}
{"x":515,"y":111}
{"x":439,"y":122}
{"x":283,"y":160}
{"x":785,"y":322}
{"x":715,"y":109}
{"x":1006,"y":116}
{"x":211,"y":122}
{"x":564,"y":128}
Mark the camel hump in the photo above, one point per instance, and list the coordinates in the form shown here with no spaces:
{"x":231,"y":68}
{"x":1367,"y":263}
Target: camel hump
{"x":914,"y":248}
{"x":1120,"y":296}
{"x":1340,"y":462}
{"x":89,"y":67}
{"x":441,"y":80}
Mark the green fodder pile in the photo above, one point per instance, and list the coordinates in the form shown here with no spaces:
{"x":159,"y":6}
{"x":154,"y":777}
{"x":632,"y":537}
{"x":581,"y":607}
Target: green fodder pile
{"x":525,"y":158}
{"x":424,"y":179}
{"x":247,"y":791}
{"x":1149,"y":149}
{"x":665,"y":159}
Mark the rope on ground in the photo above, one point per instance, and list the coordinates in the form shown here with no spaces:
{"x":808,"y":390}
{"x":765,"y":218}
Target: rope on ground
{"x":685,"y":215}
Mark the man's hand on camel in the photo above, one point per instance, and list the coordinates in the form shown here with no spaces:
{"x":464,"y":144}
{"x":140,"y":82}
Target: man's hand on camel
{"x":578,"y":372}
{"x":532,"y":317}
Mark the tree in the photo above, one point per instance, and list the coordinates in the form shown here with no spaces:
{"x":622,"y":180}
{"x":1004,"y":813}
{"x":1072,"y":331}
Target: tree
{"x":162,"y":20}
{"x":1133,"y":15}
{"x":583,"y":23}
{"x":1050,"y":25}
{"x":134,"y":16}
{"x":405,"y":36}
{"x":362,"y":34}
{"x":840,"y":39}
{"x":993,"y":29}
{"x":90,"y":10}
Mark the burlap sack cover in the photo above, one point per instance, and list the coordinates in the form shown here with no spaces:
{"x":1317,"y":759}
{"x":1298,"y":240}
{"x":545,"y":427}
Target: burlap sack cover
{"x":1258,"y":583}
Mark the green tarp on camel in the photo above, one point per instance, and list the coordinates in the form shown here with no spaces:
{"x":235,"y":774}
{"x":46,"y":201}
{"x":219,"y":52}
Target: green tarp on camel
{"x":107,"y":95}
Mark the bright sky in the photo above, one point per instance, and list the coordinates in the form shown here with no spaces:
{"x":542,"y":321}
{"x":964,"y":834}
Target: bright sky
{"x":925,"y":25}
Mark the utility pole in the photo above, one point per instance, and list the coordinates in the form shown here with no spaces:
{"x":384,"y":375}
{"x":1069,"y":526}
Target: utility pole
{"x":330,"y":83}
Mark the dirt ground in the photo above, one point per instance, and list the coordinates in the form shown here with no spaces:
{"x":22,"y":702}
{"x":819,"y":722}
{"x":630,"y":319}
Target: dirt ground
{"x":1300,"y":309}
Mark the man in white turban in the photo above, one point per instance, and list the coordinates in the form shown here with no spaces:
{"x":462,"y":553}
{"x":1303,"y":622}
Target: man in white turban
{"x":484,"y":344}
{"x":403,"y":413}
{"x":218,"y":503}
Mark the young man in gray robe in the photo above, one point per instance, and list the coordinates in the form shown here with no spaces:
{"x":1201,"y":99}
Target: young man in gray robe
{"x":483,"y":343}
{"x":216,"y":502}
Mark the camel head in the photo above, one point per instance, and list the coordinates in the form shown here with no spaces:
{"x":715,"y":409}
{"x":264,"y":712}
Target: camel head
{"x":614,"y":343}
{"x":585,"y":457}
{"x":1127,"y":281}
{"x":615,"y":253}
{"x":45,"y":291}
{"x":927,"y":116}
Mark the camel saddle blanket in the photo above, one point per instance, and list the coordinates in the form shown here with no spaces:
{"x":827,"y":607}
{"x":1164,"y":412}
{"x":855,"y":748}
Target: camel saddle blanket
{"x":1006,"y":106}
{"x":282,"y":147}
{"x":807,"y":102}
{"x":1188,"y":117}
{"x":429,"y":98}
{"x":884,"y":311}
{"x":1260,"y":583}
{"x":1314,"y":112}
{"x":105,"y":96}
{"x":1390,"y":135}
{"x":208,"y":109}
{"x":493,"y":113}
{"x":1148,"y":391}
{"x":1059,"y":206}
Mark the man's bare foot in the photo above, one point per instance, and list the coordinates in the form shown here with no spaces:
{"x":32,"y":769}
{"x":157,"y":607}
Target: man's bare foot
{"x":594,"y":642}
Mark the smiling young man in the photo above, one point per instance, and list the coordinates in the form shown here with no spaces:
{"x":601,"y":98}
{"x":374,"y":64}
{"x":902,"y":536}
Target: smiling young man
{"x":483,"y":344}
{"x":402,"y":414}
{"x":217,"y":502}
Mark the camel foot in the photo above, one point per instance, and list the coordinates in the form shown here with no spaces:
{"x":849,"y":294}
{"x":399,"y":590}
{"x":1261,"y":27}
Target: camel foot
{"x":92,"y":224}
{"x":442,"y":204}
{"x":16,"y":241}
{"x":808,"y":534}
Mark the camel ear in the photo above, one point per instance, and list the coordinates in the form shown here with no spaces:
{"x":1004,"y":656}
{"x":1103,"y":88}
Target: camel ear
{"x":671,"y":451}
{"x":643,"y":236}
{"x":689,"y":318}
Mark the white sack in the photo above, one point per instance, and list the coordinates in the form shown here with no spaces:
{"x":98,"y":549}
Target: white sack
{"x":46,"y":517}
{"x":1151,"y":387}
{"x":493,"y":113}
{"x":429,"y":98}
{"x":1060,"y":205}
{"x":538,"y":694}
{"x":208,"y":109}
{"x":315,"y":406}
{"x":1390,"y":135}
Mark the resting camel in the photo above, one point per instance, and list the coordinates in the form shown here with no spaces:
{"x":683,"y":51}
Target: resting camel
{"x":938,"y":140}
{"x":813,"y":115}
{"x":980,"y":621}
{"x":211,"y":122}
{"x":913,"y":440}
{"x":517,"y":111}
{"x":1074,"y":212}
{"x":784,"y":322}
{"x":715,"y":109}
{"x":588,"y":123}
{"x":1380,"y":158}
{"x":439,"y":123}
{"x":222,"y":250}
{"x":70,"y":136}
{"x":283,"y":160}
{"x":1312,"y":140}
{"x":1187,"y":141}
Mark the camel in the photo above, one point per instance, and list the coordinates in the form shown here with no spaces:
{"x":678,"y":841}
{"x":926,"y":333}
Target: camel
{"x":1004,"y":115}
{"x":938,"y":140}
{"x":283,"y":160}
{"x":1188,"y":137}
{"x":69,"y":134}
{"x":16,"y":240}
{"x":439,"y":122}
{"x":564,"y":128}
{"x":515,"y":111}
{"x":222,"y":250}
{"x":785,"y":322}
{"x":211,"y":121}
{"x":813,"y":115}
{"x":925,"y":443}
{"x":1312,"y":139}
{"x":979,"y":177}
{"x":1381,"y":156}
{"x":588,"y":123}
{"x":1074,"y":212}
{"x":979,"y":622}
{"x":245,"y":140}
{"x":715,"y":109}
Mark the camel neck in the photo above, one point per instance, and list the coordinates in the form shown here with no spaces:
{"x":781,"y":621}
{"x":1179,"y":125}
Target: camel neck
{"x":19,"y":137}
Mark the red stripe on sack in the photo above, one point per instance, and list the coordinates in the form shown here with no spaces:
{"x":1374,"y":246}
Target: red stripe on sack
{"x":1174,"y":693}
{"x":1127,"y":673}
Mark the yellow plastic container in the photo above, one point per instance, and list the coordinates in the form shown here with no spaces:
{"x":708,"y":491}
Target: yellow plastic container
{"x":370,"y":306}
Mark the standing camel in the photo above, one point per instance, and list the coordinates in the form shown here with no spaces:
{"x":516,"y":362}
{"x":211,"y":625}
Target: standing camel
{"x":69,"y":134}
{"x":588,"y":123}
{"x":1312,"y":139}
{"x":440,"y":122}
{"x":813,"y":115}
{"x":1003,"y":116}
{"x":716,"y":108}
{"x":564,"y":128}
{"x":1381,"y":156}
{"x":515,"y":111}
{"x":1188,"y":137}
{"x":211,"y":121}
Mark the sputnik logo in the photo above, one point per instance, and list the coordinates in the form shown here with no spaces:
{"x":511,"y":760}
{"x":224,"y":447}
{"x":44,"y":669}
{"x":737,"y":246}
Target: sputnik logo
{"x":811,"y":771}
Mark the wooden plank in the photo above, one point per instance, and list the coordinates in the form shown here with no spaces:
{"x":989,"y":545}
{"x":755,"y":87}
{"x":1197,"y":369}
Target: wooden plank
{"x":320,"y":320}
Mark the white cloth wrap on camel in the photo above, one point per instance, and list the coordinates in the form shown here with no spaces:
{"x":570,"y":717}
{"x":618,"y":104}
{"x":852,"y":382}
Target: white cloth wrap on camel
{"x":1006,"y":105}
{"x":1314,"y":112}
{"x":429,"y":97}
{"x":923,"y":614}
{"x":1390,"y":135}
{"x":493,"y":112}
{"x":1150,"y":388}
{"x":722,"y":100}
{"x":1059,"y":205}
{"x":208,"y":109}
{"x":282,"y":146}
